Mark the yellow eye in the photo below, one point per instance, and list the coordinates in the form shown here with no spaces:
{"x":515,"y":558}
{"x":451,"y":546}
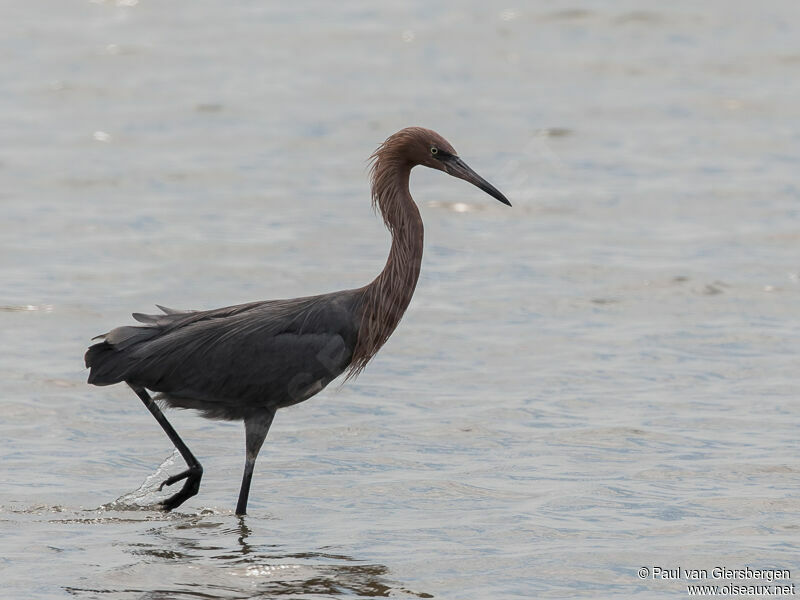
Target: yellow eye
{"x":434,"y":150}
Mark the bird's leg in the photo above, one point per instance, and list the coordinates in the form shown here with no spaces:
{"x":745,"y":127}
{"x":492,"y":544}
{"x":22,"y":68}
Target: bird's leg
{"x":192,"y":475}
{"x":255,"y":429}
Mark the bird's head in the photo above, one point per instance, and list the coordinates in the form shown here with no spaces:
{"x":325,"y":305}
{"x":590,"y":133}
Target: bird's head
{"x":420,"y":146}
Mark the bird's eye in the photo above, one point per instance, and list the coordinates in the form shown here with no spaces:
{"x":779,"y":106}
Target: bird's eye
{"x":434,"y":150}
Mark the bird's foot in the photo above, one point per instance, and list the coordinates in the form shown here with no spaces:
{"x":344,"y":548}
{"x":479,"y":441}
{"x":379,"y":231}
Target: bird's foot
{"x":192,"y":475}
{"x":180,"y":476}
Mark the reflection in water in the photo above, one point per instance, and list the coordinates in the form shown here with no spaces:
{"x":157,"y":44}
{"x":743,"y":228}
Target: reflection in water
{"x":232,"y":565}
{"x":293,"y":580}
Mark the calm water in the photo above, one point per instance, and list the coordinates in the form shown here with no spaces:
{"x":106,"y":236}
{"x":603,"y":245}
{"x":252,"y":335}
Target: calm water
{"x":601,"y":378}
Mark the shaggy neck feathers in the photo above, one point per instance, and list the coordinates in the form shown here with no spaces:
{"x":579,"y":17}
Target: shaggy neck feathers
{"x":385,"y":299}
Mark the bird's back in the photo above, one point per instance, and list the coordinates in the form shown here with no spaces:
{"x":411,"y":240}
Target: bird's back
{"x":236,"y":361}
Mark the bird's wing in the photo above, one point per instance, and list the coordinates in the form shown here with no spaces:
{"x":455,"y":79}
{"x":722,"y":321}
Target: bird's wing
{"x":155,"y":325}
{"x":279,"y":352}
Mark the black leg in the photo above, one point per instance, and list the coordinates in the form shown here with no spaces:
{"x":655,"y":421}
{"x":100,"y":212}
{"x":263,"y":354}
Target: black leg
{"x":192,"y":475}
{"x":256,"y":429}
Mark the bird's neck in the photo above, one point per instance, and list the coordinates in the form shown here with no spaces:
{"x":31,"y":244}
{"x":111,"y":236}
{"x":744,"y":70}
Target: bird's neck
{"x":385,"y":299}
{"x":396,"y":283}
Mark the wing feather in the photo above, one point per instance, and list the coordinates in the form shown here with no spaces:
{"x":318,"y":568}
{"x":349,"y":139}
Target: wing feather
{"x":226,"y":360}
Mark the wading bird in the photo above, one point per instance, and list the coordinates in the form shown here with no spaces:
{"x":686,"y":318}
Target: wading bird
{"x":245,"y":362}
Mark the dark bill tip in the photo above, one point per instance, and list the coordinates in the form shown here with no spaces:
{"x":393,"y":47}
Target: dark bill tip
{"x":458,"y":168}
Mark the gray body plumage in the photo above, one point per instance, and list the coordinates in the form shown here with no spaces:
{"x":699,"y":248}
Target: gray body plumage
{"x":234,"y":362}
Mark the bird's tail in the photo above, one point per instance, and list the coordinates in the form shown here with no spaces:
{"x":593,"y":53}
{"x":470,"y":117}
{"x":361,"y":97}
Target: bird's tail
{"x":112,"y":360}
{"x":105,"y":364}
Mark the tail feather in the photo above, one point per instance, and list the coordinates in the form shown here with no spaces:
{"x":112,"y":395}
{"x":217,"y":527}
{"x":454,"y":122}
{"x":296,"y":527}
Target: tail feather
{"x":110,"y":361}
{"x":128,"y":335}
{"x":107,"y":365}
{"x":116,"y":358}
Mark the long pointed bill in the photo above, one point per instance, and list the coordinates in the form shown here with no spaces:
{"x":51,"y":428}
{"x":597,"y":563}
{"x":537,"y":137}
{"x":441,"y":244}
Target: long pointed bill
{"x":458,"y":168}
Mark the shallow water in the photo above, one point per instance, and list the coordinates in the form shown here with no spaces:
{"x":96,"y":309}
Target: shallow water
{"x":601,"y":378}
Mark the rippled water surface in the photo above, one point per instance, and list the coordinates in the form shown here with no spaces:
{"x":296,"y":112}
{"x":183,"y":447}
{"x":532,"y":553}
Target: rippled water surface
{"x":602,"y":378}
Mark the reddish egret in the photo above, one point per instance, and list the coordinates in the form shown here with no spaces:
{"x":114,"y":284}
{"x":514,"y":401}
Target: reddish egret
{"x":245,"y":362}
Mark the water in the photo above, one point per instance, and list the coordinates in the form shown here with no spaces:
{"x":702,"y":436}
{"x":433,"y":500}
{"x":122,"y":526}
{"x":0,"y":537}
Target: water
{"x":602,"y":378}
